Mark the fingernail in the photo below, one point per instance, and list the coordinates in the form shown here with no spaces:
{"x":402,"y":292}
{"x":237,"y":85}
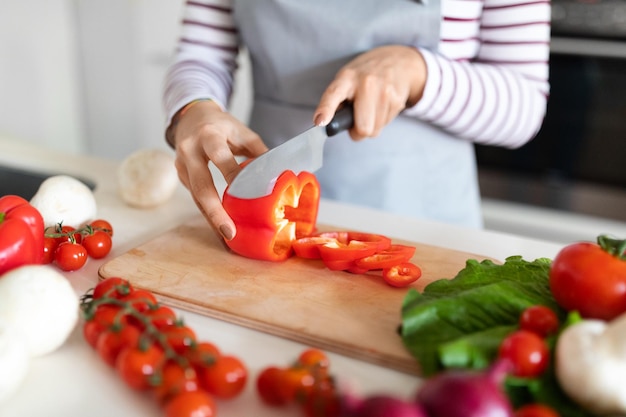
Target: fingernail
{"x":227,"y":232}
{"x":319,"y":120}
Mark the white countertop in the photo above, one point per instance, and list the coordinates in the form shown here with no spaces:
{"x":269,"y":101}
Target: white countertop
{"x":73,"y":381}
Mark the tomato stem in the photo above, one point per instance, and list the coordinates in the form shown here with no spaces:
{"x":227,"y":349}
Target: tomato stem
{"x":613,"y":246}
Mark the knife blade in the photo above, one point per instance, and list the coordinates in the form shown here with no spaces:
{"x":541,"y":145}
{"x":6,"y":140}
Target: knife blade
{"x":303,"y":152}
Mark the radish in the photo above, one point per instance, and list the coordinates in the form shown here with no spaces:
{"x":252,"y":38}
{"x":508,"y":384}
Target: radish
{"x":466,"y":393}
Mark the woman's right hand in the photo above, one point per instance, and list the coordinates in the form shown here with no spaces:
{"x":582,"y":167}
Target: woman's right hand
{"x":206,"y":133}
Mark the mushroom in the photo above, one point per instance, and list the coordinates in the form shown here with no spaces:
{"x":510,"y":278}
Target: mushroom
{"x":14,"y":362}
{"x":147,"y":178}
{"x":590,"y":365}
{"x":64,"y":199}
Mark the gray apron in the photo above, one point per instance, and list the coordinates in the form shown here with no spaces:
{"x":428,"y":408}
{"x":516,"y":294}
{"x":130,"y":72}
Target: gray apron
{"x":297,"y":46}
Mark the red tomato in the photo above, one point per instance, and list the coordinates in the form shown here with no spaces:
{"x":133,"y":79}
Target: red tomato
{"x":225,"y":378}
{"x":70,"y":256}
{"x":49,"y":247}
{"x":105,"y":317}
{"x":179,"y":337}
{"x":314,"y":358}
{"x":323,"y":401}
{"x":136,"y":367}
{"x":103,"y":225}
{"x":161,"y":316}
{"x":527,"y":352}
{"x":140,"y":300}
{"x":535,"y":410}
{"x":191,"y":404}
{"x":298,"y":383}
{"x":202,"y":354}
{"x":175,"y":379}
{"x":112,"y":341}
{"x":388,"y":258}
{"x":539,"y":319}
{"x":115,"y":287}
{"x":402,"y":275}
{"x":98,"y":244}
{"x":269,"y":385}
{"x":585,"y":277}
{"x":68,"y":236}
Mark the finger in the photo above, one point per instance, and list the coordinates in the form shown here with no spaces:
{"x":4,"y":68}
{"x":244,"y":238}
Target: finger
{"x":338,"y":91}
{"x":366,"y":107}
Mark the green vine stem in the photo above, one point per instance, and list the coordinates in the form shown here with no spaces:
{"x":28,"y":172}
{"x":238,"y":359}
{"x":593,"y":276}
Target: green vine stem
{"x":615,"y":247}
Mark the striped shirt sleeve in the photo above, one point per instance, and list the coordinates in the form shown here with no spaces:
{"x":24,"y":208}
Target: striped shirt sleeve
{"x":488,"y":81}
{"x":206,"y":59}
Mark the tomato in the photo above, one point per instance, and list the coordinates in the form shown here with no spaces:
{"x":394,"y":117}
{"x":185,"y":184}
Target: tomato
{"x":390,"y":257}
{"x":191,"y":404}
{"x":49,"y":247}
{"x":225,"y":378}
{"x":269,"y":385}
{"x":527,"y":352}
{"x":539,"y":319}
{"x":70,"y":234}
{"x":591,"y":278}
{"x":136,"y":366}
{"x":105,"y":317}
{"x":402,"y":275}
{"x":297,"y":384}
{"x":202,"y":353}
{"x":161,"y":316}
{"x":267,"y":226}
{"x":115,"y":287}
{"x":21,"y":233}
{"x":323,"y":400}
{"x":140,"y":300}
{"x":535,"y":410}
{"x":179,"y":337}
{"x":98,"y":244}
{"x":102,"y":225}
{"x":112,"y":341}
{"x":70,"y":256}
{"x":175,"y":379}
{"x":313,"y":358}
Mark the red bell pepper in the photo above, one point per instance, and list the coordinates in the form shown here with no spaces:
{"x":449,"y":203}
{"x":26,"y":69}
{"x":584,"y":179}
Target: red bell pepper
{"x":21,"y":233}
{"x":267,"y":226}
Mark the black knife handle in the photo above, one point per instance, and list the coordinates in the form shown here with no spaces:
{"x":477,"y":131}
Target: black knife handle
{"x":343,"y":120}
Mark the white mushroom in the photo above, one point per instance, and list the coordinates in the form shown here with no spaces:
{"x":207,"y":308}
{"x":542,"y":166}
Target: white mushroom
{"x":64,"y":199}
{"x":38,"y":303}
{"x":591,"y":365}
{"x":147,"y":178}
{"x":14,"y":362}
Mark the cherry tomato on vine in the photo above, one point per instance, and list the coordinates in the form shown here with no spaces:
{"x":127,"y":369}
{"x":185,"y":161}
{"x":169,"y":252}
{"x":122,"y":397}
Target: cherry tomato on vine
{"x":527,"y":352}
{"x":112,"y":341}
{"x":175,"y":379}
{"x":98,"y":244}
{"x":69,"y":236}
{"x":105,"y":317}
{"x":102,"y":225}
{"x":191,"y":404}
{"x":202,"y":354}
{"x":140,"y":300}
{"x":402,"y":275}
{"x":115,"y":287}
{"x":269,"y":385}
{"x":225,"y":378}
{"x":314,"y":358}
{"x":323,"y":401}
{"x":161,"y":316}
{"x":179,"y":337}
{"x":70,"y":256}
{"x":539,"y":319}
{"x":136,"y":366}
{"x":535,"y":410}
{"x":49,"y":247}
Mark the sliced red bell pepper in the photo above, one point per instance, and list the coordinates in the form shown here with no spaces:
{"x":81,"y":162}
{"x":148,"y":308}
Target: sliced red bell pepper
{"x":392,"y":256}
{"x":267,"y":226}
{"x":402,"y":275}
{"x":21,"y":233}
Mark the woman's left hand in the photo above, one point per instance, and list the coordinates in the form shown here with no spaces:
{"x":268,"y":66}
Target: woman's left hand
{"x":380,"y":83}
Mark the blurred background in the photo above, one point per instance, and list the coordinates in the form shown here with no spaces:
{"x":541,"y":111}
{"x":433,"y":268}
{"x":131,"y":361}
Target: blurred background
{"x":85,"y":77}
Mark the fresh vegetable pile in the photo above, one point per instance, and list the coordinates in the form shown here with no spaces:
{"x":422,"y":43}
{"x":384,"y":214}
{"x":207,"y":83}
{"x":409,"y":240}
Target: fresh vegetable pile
{"x":153,"y":351}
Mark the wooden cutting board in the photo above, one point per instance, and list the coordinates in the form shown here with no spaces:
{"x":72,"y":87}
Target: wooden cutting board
{"x":299,"y":299}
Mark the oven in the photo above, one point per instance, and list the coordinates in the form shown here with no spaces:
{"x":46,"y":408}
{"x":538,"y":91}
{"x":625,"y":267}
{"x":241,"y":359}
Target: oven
{"x":577,"y":162}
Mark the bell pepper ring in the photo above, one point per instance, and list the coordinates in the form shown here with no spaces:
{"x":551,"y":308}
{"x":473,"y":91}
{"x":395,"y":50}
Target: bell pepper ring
{"x":267,"y":226}
{"x":21,"y":233}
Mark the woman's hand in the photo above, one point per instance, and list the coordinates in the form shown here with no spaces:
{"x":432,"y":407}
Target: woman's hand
{"x":380,"y":83}
{"x":206,"y":134}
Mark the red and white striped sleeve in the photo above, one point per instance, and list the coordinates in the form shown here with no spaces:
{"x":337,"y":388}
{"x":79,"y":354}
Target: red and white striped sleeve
{"x":206,"y":58}
{"x":488,"y":81}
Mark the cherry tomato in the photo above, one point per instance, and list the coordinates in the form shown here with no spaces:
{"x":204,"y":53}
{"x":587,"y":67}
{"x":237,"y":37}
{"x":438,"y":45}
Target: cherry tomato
{"x":102,"y":225}
{"x":105,"y":317}
{"x":202,"y":354}
{"x":402,"y":275}
{"x":535,"y":410}
{"x":68,"y":235}
{"x":70,"y":256}
{"x":179,"y":337}
{"x":313,"y":358}
{"x":112,"y":341}
{"x":225,"y":378}
{"x":270,"y":386}
{"x":323,"y":401}
{"x":298,"y":383}
{"x":137,"y":366}
{"x":161,"y":316}
{"x":585,"y":277}
{"x":539,"y":319}
{"x":388,"y":258}
{"x":140,"y":300}
{"x":98,"y":244}
{"x":175,"y":379}
{"x":49,"y":247}
{"x":115,"y":287}
{"x":191,"y":404}
{"x":527,"y":352}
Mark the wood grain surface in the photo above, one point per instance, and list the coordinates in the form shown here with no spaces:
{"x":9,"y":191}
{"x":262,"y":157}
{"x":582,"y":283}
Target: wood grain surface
{"x":299,"y":299}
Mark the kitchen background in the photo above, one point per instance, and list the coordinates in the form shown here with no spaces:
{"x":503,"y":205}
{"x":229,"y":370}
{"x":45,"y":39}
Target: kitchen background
{"x":85,"y":77}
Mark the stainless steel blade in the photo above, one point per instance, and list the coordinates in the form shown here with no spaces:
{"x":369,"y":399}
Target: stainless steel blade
{"x":301,"y":153}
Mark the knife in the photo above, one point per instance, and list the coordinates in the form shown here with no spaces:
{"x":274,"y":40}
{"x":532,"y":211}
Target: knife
{"x":301,"y":153}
